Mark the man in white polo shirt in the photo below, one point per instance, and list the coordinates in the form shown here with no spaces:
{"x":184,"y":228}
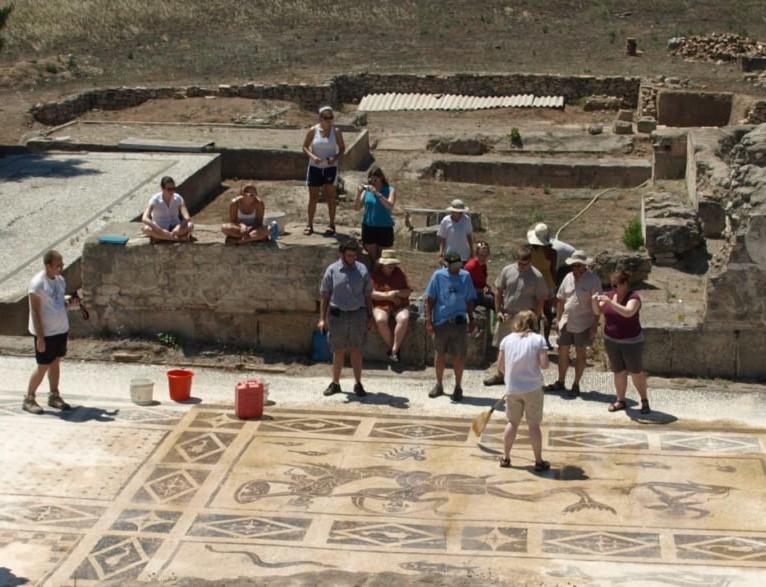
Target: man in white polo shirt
{"x":49,"y":324}
{"x":456,"y":232}
{"x":166,"y":217}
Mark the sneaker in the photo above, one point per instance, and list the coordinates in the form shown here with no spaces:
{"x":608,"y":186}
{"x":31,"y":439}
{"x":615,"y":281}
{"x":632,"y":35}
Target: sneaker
{"x":331,"y":389}
{"x":359,"y":389}
{"x":55,"y":401}
{"x":555,"y":386}
{"x":393,"y":357}
{"x":575,"y":391}
{"x":457,"y":393}
{"x":436,"y":391}
{"x":494,"y":379}
{"x":31,"y":406}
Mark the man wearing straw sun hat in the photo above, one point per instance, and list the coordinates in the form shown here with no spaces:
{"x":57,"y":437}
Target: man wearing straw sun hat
{"x":391,"y":298}
{"x":455,"y":232}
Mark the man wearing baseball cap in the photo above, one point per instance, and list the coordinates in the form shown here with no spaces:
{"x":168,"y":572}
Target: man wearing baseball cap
{"x":450,"y":296}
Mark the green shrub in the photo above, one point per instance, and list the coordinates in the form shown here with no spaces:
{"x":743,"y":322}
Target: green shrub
{"x":633,"y":237}
{"x":516,"y":137}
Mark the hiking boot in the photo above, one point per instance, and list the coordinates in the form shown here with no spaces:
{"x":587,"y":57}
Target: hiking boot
{"x":436,"y":391}
{"x":575,"y":391}
{"x":359,"y":389}
{"x":55,"y":401}
{"x":494,"y":379}
{"x":331,"y":389}
{"x":31,"y":406}
{"x":457,"y":393}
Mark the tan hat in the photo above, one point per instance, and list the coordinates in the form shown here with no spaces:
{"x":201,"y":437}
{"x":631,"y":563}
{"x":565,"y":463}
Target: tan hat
{"x":539,"y":235}
{"x":579,"y":257}
{"x":388,"y":257}
{"x":457,"y":206}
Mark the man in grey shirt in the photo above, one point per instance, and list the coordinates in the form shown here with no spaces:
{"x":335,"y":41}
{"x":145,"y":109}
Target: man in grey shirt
{"x":345,"y":312}
{"x":518,"y":287}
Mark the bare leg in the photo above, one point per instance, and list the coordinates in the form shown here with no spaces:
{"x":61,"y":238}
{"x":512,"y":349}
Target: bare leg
{"x":381,"y":321}
{"x":536,"y":440}
{"x":338,"y":358}
{"x":563,"y":362}
{"x":458,"y":363}
{"x":313,"y":199}
{"x":621,"y":385}
{"x":439,"y":364}
{"x":639,"y":381}
{"x":508,"y":437}
{"x":232,"y":230}
{"x":258,"y":234}
{"x":329,"y":193}
{"x":36,"y":379}
{"x":400,"y":330}
{"x":155,"y":234}
{"x":356,"y":363}
{"x":54,"y":373}
{"x":183,"y":232}
{"x":581,"y":356}
{"x":374,"y":251}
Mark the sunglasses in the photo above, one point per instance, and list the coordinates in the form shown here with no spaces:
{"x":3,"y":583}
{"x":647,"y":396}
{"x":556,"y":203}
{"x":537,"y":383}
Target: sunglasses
{"x":327,"y":117}
{"x":169,"y":187}
{"x":524,"y":263}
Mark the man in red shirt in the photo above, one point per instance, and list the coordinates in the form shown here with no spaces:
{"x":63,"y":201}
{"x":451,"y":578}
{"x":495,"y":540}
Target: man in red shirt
{"x":477,"y":267}
{"x":391,"y":298}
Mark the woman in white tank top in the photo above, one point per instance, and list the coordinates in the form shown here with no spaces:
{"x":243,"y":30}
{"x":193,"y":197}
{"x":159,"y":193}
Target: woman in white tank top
{"x":323,"y":146}
{"x":246,"y":217}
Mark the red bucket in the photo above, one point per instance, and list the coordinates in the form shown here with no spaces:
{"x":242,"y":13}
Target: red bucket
{"x":180,"y":382}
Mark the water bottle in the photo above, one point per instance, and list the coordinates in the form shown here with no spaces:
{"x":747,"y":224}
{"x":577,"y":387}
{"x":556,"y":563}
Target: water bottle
{"x":274,"y":230}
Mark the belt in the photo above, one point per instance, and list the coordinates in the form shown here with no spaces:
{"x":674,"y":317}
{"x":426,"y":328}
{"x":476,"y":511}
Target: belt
{"x":455,"y":320}
{"x":337,"y":311}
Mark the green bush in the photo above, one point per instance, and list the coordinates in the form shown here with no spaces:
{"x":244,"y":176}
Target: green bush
{"x":515,"y":137}
{"x":633,"y":237}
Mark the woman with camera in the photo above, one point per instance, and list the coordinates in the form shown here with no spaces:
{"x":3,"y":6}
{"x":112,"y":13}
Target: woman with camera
{"x":377,"y":198}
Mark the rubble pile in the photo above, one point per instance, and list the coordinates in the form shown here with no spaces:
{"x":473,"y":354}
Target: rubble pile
{"x":715,"y":47}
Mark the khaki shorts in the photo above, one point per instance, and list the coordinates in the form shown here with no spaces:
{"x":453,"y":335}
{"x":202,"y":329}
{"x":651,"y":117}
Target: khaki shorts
{"x":451,"y":339}
{"x":347,"y":330}
{"x":502,"y":329}
{"x":624,"y":357}
{"x":578,"y":339}
{"x":529,"y":404}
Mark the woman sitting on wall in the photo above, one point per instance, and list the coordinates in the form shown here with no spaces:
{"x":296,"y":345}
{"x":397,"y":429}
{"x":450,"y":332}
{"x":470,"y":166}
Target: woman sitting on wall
{"x":246,"y":217}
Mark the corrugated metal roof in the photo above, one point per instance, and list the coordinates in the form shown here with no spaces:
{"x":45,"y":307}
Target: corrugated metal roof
{"x":400,"y":102}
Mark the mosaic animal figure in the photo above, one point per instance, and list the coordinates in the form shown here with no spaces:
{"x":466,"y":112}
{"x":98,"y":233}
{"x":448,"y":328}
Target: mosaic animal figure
{"x":675,"y":498}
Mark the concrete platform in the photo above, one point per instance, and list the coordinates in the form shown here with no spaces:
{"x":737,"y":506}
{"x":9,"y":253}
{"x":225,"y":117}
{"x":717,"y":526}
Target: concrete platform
{"x":113,"y":492}
{"x":56,"y":200}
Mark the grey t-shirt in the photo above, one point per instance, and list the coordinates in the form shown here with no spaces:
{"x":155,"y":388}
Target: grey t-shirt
{"x":578,"y":311}
{"x":346,"y":287}
{"x":521,"y":290}
{"x":563,"y":251}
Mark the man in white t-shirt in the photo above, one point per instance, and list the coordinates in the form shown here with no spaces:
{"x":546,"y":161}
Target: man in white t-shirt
{"x":456,"y":232}
{"x":49,"y":324}
{"x":166,"y":217}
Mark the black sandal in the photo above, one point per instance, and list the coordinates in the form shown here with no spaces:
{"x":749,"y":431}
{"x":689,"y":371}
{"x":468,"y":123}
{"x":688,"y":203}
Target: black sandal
{"x":308,"y":230}
{"x":645,"y":409}
{"x":541,"y":466}
{"x":330,"y":230}
{"x":616,"y":406}
{"x":505,"y":463}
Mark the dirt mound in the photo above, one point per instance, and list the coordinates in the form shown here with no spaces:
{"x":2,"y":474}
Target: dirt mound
{"x":716,"y":47}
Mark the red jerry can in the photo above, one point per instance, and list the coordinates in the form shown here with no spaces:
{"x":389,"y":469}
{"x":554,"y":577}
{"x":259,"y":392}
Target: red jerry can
{"x":248,"y":399}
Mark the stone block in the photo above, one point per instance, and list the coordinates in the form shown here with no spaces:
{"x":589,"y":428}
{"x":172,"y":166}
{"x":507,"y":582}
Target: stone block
{"x":670,"y":152}
{"x":637,"y":263}
{"x":625,"y":115}
{"x":646,"y":124}
{"x":595,"y":129}
{"x":670,"y":227}
{"x":424,"y":239}
{"x":693,"y":108}
{"x":594,"y":103}
{"x":622,"y":127}
{"x":751,"y":349}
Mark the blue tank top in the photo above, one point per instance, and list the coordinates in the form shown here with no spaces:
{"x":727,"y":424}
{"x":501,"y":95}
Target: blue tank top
{"x":375,"y":213}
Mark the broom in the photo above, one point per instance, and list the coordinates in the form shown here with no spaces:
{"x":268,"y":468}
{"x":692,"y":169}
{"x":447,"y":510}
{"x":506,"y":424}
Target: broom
{"x":480,"y":422}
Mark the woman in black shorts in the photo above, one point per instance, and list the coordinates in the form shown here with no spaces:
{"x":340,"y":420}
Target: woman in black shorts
{"x":378,"y":199}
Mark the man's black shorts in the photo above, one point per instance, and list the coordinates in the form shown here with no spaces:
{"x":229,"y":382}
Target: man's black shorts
{"x":55,"y":347}
{"x":383,"y":236}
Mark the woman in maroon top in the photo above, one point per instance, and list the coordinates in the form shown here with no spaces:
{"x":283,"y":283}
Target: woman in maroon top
{"x":623,"y":338}
{"x":477,"y":267}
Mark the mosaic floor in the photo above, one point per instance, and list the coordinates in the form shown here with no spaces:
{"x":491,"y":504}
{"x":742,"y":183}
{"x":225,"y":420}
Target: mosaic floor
{"x":154,"y":493}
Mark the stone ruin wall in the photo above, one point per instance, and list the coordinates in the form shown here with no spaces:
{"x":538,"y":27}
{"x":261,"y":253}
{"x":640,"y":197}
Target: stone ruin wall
{"x":347,"y":89}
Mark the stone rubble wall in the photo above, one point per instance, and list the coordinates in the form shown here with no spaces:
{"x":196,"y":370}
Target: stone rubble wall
{"x":756,"y":114}
{"x":347,"y":89}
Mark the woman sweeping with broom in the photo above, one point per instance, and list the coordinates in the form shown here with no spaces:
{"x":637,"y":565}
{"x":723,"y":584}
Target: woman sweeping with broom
{"x":522,"y":356}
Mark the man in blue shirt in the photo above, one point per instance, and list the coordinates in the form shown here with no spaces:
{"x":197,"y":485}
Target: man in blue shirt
{"x":450,"y":298}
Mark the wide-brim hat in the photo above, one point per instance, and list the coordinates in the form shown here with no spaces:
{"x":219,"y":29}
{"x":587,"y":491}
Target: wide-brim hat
{"x":388,"y":257}
{"x":539,"y":235}
{"x":579,"y":257}
{"x":457,"y":206}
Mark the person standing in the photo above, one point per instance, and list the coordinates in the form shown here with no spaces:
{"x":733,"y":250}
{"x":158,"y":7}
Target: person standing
{"x":391,"y":299}
{"x":450,"y":296}
{"x":519,"y":287}
{"x":522,"y":357}
{"x":49,"y":324}
{"x":378,"y":199}
{"x":577,"y":323}
{"x":544,"y":259}
{"x":455,"y":232}
{"x":324,"y":146}
{"x":166,"y":217}
{"x":623,"y":338}
{"x":477,"y":267}
{"x":345,"y":313}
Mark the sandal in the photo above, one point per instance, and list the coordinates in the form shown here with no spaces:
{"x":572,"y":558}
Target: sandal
{"x":330,"y":230}
{"x":645,"y":409}
{"x":505,"y":463}
{"x":541,"y":466}
{"x":308,"y":230}
{"x":616,"y":406}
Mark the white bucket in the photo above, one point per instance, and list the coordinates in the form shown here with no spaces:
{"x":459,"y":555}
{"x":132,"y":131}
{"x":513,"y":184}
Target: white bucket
{"x":141,"y":391}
